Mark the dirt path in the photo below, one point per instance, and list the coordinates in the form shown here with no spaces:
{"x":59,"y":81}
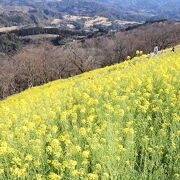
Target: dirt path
{"x":168,"y":50}
{"x":159,"y":53}
{"x":139,"y":60}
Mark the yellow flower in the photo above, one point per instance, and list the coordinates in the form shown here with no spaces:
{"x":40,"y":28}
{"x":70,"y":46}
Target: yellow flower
{"x":37,"y":163}
{"x":178,"y":133}
{"x":121,"y":148}
{"x":85,"y":154}
{"x":128,"y":130}
{"x":92,"y":176}
{"x":29,"y":157}
{"x":149,"y":118}
{"x":55,"y":143}
{"x":53,"y":176}
{"x":72,"y":163}
{"x":98,"y":166}
{"x":1,"y":171}
{"x":151,"y":128}
{"x":56,"y":164}
{"x":48,"y":149}
{"x":18,"y":172}
{"x":120,"y":112}
{"x":75,"y":172}
{"x":39,"y":177}
{"x":76,"y":149}
{"x":82,"y":131}
{"x":54,"y":129}
{"x":146,"y":138}
{"x":150,"y":149}
{"x":17,"y":160}
{"x":137,"y":52}
{"x":177,"y":175}
{"x":83,"y":110}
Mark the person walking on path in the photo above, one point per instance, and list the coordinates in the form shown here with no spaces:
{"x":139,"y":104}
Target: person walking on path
{"x":156,"y":50}
{"x":173,"y":49}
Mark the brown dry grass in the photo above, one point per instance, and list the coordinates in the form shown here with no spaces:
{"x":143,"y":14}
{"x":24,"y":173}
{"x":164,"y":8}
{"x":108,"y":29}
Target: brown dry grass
{"x":40,"y":36}
{"x":7,"y":29}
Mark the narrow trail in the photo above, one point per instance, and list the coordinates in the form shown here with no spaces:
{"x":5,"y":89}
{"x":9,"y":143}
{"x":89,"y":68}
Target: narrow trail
{"x":151,"y":55}
{"x":169,"y":50}
{"x":159,"y":54}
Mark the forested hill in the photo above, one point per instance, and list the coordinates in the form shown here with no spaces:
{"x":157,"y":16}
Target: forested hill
{"x":151,"y":9}
{"x":134,"y":10}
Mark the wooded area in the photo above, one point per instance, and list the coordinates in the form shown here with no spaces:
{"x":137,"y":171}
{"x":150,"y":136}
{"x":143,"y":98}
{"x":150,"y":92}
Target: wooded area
{"x":36,"y":65}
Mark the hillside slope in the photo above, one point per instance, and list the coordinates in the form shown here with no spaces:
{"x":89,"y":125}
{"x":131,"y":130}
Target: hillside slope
{"x":119,"y":122}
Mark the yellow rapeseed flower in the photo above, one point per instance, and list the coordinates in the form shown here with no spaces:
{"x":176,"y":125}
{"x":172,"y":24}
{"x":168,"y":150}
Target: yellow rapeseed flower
{"x":85,"y":154}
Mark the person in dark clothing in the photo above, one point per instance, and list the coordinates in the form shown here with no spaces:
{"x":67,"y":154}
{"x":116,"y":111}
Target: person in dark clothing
{"x":173,"y":49}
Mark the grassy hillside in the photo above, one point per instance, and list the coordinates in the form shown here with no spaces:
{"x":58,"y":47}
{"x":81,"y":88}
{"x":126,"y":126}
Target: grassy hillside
{"x":119,"y":122}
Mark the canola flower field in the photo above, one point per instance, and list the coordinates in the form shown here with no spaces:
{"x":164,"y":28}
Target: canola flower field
{"x":116,"y":123}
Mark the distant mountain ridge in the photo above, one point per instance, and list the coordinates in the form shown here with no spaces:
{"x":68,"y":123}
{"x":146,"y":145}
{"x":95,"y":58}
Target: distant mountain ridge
{"x":44,"y":11}
{"x":169,"y":9}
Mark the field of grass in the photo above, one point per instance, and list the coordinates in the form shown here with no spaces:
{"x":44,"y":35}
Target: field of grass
{"x":116,"y":123}
{"x":7,"y":29}
{"x":40,"y":36}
